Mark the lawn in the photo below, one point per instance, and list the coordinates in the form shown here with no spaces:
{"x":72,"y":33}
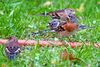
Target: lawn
{"x":21,"y":17}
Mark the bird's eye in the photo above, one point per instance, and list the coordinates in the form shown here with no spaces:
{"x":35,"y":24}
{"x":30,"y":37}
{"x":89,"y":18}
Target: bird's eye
{"x":52,"y":24}
{"x":71,"y":16}
{"x":71,"y":10}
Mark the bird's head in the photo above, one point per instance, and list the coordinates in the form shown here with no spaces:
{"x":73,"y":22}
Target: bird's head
{"x":54,"y":23}
{"x":12,"y":38}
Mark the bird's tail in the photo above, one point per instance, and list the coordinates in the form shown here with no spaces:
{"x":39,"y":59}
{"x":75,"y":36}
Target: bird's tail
{"x":12,"y":56}
{"x":85,"y":27}
{"x":39,"y":33}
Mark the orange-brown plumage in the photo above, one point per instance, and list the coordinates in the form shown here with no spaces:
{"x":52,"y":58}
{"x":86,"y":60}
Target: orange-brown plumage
{"x":63,"y":28}
{"x":67,"y":29}
{"x":70,"y":27}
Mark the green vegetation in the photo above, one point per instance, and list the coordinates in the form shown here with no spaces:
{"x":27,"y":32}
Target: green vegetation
{"x":20,"y":18}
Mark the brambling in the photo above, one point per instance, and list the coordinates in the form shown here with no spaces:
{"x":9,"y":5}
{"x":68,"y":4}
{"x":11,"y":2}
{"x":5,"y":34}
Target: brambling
{"x":12,"y":48}
{"x":64,"y":15}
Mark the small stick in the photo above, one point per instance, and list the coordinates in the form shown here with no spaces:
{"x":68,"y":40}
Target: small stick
{"x":49,"y":43}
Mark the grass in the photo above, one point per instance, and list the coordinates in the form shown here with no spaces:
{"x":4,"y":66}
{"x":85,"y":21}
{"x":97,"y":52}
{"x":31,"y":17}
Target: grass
{"x":21,"y":17}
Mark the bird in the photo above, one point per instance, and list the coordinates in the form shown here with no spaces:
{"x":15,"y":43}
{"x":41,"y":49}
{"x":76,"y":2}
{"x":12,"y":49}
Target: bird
{"x":64,"y":15}
{"x":59,"y":26}
{"x":66,"y":28}
{"x":12,"y":48}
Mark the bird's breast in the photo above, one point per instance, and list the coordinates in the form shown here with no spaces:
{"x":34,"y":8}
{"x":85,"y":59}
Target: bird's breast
{"x":70,"y":27}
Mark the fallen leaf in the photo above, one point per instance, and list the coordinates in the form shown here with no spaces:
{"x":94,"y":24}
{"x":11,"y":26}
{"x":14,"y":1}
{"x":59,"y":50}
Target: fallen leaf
{"x":68,"y":56}
{"x":3,"y":65}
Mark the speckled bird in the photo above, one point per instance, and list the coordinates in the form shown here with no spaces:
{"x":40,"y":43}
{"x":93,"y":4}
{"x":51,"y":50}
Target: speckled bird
{"x":64,"y":15}
{"x":12,"y":48}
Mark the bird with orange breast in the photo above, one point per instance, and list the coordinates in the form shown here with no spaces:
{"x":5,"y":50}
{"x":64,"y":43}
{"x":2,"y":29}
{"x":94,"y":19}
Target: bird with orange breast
{"x":13,"y":48}
{"x":66,"y":28}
